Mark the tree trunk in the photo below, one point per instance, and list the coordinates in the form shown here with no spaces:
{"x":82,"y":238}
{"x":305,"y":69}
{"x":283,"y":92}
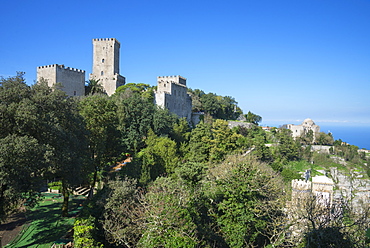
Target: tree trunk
{"x":91,"y":193}
{"x":65,"y":193}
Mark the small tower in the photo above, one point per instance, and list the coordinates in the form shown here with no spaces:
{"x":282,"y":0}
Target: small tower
{"x":172,"y":94}
{"x":106,"y":64}
{"x":71,"y":80}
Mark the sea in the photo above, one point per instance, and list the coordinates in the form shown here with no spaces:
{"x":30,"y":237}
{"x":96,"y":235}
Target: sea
{"x":353,"y":135}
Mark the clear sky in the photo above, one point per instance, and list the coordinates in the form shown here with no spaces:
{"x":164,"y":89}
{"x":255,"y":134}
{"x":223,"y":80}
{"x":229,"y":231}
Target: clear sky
{"x":285,"y":60}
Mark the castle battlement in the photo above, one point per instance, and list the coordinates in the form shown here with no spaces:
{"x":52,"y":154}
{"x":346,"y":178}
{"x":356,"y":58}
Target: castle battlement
{"x":57,"y":66}
{"x":177,"y":79}
{"x":169,"y":77}
{"x":74,"y":69}
{"x":49,"y":66}
{"x":301,"y":185}
{"x":107,"y":39}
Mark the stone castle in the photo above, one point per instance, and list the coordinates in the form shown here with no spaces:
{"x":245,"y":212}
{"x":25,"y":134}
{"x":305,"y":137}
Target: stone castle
{"x":307,"y":125}
{"x":171,"y":91}
{"x":106,"y":64}
{"x":105,"y":69}
{"x":172,"y":94}
{"x":332,"y":188}
{"x":320,"y":186}
{"x":71,"y":80}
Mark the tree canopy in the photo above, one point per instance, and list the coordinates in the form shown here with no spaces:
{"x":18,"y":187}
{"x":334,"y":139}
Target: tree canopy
{"x":160,"y":182}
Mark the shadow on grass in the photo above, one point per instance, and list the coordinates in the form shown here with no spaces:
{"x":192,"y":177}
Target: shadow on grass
{"x":46,"y":224}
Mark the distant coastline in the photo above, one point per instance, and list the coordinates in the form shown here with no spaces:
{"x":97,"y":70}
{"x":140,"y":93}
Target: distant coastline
{"x":354,"y":135}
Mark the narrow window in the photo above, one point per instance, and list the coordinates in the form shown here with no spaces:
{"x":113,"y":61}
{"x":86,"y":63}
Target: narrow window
{"x":74,"y":93}
{"x":102,"y":60}
{"x":101,"y":73}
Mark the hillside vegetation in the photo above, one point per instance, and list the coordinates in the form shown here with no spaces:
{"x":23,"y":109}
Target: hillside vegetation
{"x":202,"y":186}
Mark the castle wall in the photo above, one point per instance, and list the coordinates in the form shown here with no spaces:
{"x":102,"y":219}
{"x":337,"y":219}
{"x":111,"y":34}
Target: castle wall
{"x":307,"y":124}
{"x":321,"y":149}
{"x":106,"y":54}
{"x":71,"y":79}
{"x":172,"y":94}
{"x":297,"y":130}
{"x":233,"y":124}
{"x":321,"y":186}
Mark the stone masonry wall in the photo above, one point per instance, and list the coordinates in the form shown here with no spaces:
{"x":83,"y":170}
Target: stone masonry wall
{"x":71,"y":79}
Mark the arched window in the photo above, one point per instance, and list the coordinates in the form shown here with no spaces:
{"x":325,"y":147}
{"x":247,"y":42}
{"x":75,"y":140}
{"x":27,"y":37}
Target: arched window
{"x":102,"y":60}
{"x":101,"y":73}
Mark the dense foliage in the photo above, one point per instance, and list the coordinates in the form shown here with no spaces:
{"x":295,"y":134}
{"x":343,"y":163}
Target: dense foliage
{"x":42,"y":137}
{"x":205,"y":186}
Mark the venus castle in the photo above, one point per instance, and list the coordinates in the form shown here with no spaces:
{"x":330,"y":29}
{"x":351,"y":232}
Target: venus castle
{"x":105,"y":69}
{"x":106,"y":64}
{"x":172,"y":94}
{"x":171,"y":91}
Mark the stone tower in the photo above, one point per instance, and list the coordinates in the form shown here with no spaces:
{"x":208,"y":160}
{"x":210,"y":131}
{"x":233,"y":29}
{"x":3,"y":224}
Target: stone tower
{"x":172,"y":94}
{"x":71,"y":80}
{"x":106,"y":64}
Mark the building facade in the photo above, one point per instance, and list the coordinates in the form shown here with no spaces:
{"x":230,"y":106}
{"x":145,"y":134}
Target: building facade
{"x":71,"y":80}
{"x":172,"y":94}
{"x":307,"y":125}
{"x":106,"y":54}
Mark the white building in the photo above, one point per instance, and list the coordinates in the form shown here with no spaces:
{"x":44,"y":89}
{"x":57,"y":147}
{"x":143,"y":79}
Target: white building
{"x":307,"y":125}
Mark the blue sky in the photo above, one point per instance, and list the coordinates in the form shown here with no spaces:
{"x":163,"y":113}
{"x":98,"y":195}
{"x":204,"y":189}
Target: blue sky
{"x":285,"y":60}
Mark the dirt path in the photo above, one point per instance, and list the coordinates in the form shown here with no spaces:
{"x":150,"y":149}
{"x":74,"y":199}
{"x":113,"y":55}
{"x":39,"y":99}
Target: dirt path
{"x":11,"y":227}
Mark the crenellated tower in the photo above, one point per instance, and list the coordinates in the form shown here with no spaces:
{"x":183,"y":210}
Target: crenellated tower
{"x":71,"y":80}
{"x":172,"y":94}
{"x":106,"y":53}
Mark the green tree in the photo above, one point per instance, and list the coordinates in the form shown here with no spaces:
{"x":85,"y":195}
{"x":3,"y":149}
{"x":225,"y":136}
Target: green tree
{"x":93,"y":87}
{"x":200,"y":143}
{"x":159,"y":157}
{"x":145,"y":90}
{"x":135,"y":116}
{"x":163,"y":121}
{"x":134,"y":87}
{"x":180,"y":131}
{"x":83,"y":234}
{"x":123,"y":216}
{"x":22,"y":163}
{"x":229,"y":108}
{"x":62,"y":129}
{"x":49,"y":117}
{"x":253,"y":118}
{"x":210,"y":104}
{"x":288,"y":149}
{"x":195,"y":98}
{"x":219,"y":107}
{"x":224,"y":140}
{"x":100,"y":117}
{"x":248,"y":200}
{"x":324,"y":139}
{"x":307,"y":138}
{"x":169,"y":220}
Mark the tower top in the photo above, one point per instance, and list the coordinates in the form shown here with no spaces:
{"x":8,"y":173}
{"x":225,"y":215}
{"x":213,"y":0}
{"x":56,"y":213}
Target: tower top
{"x":106,"y":64}
{"x":107,"y":39}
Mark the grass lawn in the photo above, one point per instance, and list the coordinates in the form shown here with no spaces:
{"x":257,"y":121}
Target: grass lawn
{"x":44,"y":222}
